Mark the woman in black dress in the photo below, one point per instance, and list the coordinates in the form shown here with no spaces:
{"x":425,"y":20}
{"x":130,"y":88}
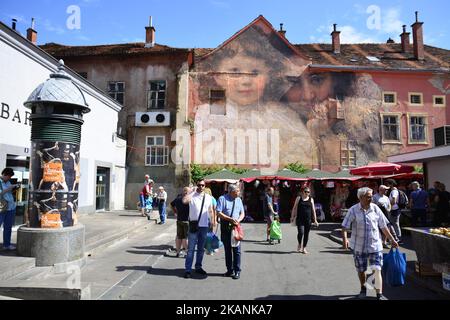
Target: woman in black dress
{"x":302,"y":214}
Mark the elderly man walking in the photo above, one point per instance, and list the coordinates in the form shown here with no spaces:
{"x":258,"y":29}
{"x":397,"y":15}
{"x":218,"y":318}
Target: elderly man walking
{"x":200,"y":217}
{"x":230,"y":210}
{"x":365,"y":218}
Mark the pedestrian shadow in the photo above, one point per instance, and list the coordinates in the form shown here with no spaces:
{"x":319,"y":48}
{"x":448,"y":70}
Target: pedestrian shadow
{"x":341,"y":251}
{"x":137,"y":215}
{"x":180,"y":273}
{"x":161,"y":247}
{"x":134,"y":268}
{"x":148,"y":252}
{"x":270,"y":252}
{"x":308,"y":297}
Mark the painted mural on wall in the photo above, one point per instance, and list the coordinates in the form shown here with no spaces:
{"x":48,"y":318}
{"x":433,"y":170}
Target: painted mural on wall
{"x":267,"y":84}
{"x":54,"y":188}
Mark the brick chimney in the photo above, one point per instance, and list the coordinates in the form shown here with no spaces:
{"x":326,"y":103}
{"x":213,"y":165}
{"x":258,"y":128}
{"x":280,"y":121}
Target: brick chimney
{"x":405,"y":40}
{"x":31,"y":33}
{"x":419,"y":51}
{"x":150,"y":35}
{"x":336,"y":42}
{"x":281,"y":31}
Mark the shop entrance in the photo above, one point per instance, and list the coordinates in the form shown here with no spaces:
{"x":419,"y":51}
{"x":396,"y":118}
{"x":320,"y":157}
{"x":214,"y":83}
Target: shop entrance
{"x":102,"y":189}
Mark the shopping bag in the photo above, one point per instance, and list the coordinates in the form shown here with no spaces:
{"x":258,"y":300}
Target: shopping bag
{"x":215,"y":242}
{"x":238,"y":232}
{"x":394,"y":267}
{"x":234,"y":241}
{"x":275,"y":230}
{"x":208,"y":242}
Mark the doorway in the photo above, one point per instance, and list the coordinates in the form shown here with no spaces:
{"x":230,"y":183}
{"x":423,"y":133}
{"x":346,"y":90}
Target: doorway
{"x":102,"y":189}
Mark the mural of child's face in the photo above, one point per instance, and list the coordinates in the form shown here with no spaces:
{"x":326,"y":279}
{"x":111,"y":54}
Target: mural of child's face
{"x":245,"y":81}
{"x":311,"y":88}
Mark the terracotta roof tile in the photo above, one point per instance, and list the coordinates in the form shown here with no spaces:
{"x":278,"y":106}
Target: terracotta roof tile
{"x":109,"y":49}
{"x":390,"y":55}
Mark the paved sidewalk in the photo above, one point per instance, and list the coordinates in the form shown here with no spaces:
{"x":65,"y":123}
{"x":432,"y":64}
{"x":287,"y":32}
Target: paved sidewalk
{"x":102,"y":229}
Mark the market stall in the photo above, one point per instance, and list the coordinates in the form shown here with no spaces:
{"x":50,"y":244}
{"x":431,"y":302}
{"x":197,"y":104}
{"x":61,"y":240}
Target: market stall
{"x":218,"y":181}
{"x":432,"y":249}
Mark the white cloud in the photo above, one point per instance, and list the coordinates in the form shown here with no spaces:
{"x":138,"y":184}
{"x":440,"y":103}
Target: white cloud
{"x":47,"y":24}
{"x":350,"y":35}
{"x":390,"y":22}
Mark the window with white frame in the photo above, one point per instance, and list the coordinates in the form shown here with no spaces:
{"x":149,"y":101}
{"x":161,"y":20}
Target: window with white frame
{"x":390,"y":128}
{"x":417,"y":129}
{"x":116,"y":90}
{"x":348,"y":153}
{"x":157,"y":153}
{"x":389,"y":97}
{"x":415,"y":99}
{"x":439,"y":101}
{"x":157,"y":94}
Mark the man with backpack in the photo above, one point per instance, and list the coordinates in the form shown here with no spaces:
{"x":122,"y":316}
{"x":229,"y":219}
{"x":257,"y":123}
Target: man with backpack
{"x":399,"y":201}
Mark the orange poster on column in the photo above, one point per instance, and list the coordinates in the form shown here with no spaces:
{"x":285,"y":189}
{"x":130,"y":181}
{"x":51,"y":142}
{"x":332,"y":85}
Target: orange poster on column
{"x":51,"y":221}
{"x":53,"y":172}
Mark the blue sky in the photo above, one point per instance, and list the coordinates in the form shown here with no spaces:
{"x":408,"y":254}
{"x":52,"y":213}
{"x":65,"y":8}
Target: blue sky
{"x":208,"y":23}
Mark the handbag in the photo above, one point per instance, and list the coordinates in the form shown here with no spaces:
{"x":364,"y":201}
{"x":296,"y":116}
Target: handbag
{"x":238,"y":232}
{"x":193,"y":225}
{"x":3,"y":202}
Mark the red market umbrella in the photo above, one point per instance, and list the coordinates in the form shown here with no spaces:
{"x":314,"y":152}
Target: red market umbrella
{"x":381,"y":168}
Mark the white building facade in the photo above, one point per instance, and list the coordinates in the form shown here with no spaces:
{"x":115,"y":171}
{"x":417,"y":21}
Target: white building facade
{"x":23,"y":67}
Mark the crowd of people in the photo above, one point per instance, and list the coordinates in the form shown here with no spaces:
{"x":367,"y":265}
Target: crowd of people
{"x":197,"y":213}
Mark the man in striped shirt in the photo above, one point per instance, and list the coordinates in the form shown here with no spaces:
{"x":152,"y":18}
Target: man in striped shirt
{"x":365,"y":218}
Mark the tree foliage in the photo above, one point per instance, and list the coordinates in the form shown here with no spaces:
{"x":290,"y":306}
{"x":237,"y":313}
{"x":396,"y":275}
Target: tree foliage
{"x":297,"y":167}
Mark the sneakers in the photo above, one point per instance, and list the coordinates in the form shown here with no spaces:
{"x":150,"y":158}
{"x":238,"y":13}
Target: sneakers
{"x":228,"y":274}
{"x":236,"y":275}
{"x":381,"y":297}
{"x":201,"y":271}
{"x":363,"y":293}
{"x":9,"y":248}
{"x":187,"y":275}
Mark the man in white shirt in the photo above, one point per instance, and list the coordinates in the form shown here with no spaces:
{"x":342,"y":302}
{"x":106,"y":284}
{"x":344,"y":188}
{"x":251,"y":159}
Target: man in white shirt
{"x":383,"y":202}
{"x":364,"y":219}
{"x":394,"y":214}
{"x":200,"y":205}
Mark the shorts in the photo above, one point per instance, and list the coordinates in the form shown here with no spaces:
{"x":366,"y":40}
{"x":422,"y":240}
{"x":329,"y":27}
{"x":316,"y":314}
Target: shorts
{"x":375,"y":261}
{"x":182,"y":229}
{"x":269,"y":219}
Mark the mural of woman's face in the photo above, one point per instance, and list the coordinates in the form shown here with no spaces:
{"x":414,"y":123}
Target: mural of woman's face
{"x":245,"y":80}
{"x":311,"y":88}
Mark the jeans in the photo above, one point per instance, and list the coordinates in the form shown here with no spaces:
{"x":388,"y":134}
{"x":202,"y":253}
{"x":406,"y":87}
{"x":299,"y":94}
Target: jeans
{"x":162,"y":211}
{"x":232,"y":254}
{"x":419,"y":214}
{"x":7,"y":220}
{"x":196,"y":239}
{"x":394,"y":218}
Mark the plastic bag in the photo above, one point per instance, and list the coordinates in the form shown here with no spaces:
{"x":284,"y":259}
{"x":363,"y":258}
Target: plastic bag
{"x":275,"y":230}
{"x":394,"y":267}
{"x":238,"y":232}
